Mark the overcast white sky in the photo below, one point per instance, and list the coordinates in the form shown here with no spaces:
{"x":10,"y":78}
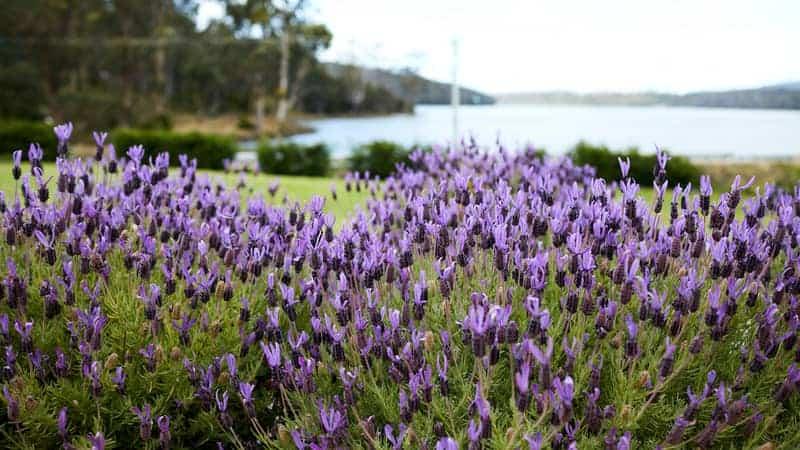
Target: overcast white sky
{"x":577,"y":45}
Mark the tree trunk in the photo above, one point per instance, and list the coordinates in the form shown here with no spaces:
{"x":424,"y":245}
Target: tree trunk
{"x":160,"y":78}
{"x":283,"y":82}
{"x":160,"y":58}
{"x":259,"y":103}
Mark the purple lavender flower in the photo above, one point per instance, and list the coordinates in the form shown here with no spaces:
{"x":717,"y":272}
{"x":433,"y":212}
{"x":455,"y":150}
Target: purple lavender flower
{"x":25,"y":333}
{"x":543,"y":359}
{"x":272,"y":356}
{"x":735,"y":193}
{"x":164,"y":436}
{"x":676,"y":433}
{"x":63,"y":423}
{"x":667,"y":360}
{"x":566,"y":393}
{"x":246,"y":393}
{"x":99,"y":140}
{"x":534,"y":441}
{"x":145,"y":421}
{"x":222,"y":407}
{"x":12,"y":406}
{"x":97,"y":441}
{"x":446,"y":443}
{"x":624,"y":441}
{"x":183,"y":328}
{"x":119,"y":379}
{"x":333,"y":422}
{"x":474,"y":433}
{"x":624,"y":166}
{"x":789,"y":385}
{"x":522,"y":383}
{"x":705,"y":193}
{"x":398,"y":439}
{"x":16,"y":170}
{"x":149,"y":354}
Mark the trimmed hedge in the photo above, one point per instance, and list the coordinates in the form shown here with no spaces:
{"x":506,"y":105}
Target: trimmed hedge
{"x":679,"y":168}
{"x":289,"y":158}
{"x":209,"y":149}
{"x":19,"y":134}
{"x":378,"y":158}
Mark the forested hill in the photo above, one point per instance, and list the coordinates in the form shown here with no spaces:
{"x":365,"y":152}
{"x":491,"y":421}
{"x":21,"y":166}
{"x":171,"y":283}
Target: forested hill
{"x":409,"y":86}
{"x":779,"y":96}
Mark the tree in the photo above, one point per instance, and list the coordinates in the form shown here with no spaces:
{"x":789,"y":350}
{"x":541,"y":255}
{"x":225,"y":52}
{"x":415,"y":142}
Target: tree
{"x":281,"y":21}
{"x":289,"y":14}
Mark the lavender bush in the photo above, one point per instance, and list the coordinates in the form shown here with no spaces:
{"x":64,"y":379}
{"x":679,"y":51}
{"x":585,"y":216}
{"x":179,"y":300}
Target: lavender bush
{"x":481,"y":300}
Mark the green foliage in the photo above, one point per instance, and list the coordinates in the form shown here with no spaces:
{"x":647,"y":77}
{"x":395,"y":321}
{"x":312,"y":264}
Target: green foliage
{"x":244,"y":123}
{"x":679,"y":169}
{"x":210,"y":150}
{"x":327,"y":94}
{"x":378,"y":99}
{"x":101,"y":108}
{"x":19,"y":92}
{"x":378,"y":158}
{"x":162,"y":121}
{"x":19,"y":134}
{"x":289,"y":158}
{"x":109,"y":62}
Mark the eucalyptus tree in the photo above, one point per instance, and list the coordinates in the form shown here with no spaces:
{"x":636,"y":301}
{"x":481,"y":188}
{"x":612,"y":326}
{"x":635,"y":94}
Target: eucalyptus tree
{"x":284,"y":22}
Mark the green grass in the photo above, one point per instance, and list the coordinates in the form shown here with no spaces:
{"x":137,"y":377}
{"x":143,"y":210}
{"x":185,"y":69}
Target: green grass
{"x":291,"y":188}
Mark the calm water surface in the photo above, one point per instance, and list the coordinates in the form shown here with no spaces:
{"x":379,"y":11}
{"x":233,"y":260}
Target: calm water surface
{"x":695,"y":132}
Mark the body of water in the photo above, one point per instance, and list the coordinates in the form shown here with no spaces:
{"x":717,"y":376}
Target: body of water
{"x":694,"y":132}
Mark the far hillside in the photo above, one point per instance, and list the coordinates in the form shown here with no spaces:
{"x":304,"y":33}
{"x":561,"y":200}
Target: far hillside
{"x":779,"y":96}
{"x":408,"y":85}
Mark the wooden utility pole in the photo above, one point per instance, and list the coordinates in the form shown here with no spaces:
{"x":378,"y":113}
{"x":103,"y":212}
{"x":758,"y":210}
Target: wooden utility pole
{"x":455,"y":92}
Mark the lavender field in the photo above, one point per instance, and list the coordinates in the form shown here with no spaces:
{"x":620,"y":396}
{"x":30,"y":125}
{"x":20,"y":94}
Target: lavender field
{"x":476,"y":299}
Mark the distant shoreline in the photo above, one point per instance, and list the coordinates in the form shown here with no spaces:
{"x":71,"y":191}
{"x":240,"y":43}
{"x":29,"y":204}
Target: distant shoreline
{"x":782,"y":97}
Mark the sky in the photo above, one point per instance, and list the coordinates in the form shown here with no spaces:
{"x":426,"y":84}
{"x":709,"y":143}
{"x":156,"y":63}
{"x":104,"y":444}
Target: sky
{"x":506,"y":46}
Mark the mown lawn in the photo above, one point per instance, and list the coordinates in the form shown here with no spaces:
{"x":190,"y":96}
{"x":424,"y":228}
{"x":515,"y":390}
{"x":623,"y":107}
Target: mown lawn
{"x":291,"y":188}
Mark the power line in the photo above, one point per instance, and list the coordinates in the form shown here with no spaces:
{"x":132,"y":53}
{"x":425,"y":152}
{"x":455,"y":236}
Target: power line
{"x":114,"y":42}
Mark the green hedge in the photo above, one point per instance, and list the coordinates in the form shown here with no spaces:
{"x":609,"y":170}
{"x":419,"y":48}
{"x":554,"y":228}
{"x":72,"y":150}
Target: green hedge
{"x":378,"y":158}
{"x":289,"y":158}
{"x":209,"y":149}
{"x":18,"y":135}
{"x":679,"y":168}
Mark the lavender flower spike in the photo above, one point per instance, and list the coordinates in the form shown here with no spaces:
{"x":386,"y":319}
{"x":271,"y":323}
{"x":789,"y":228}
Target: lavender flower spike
{"x":624,"y":166}
{"x":63,"y":133}
{"x":667,"y":360}
{"x":447,"y":443}
{"x":246,"y":392}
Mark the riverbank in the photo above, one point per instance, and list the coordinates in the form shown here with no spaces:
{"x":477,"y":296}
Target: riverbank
{"x":242,"y":127}
{"x":239,"y":126}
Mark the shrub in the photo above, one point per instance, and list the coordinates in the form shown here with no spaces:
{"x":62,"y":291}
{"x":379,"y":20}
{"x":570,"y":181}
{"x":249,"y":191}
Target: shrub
{"x":19,"y":134}
{"x":160,"y":121}
{"x":378,"y":158}
{"x":244,"y":123}
{"x":289,"y":158}
{"x":540,"y":319}
{"x":209,"y":149}
{"x":679,"y":170}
